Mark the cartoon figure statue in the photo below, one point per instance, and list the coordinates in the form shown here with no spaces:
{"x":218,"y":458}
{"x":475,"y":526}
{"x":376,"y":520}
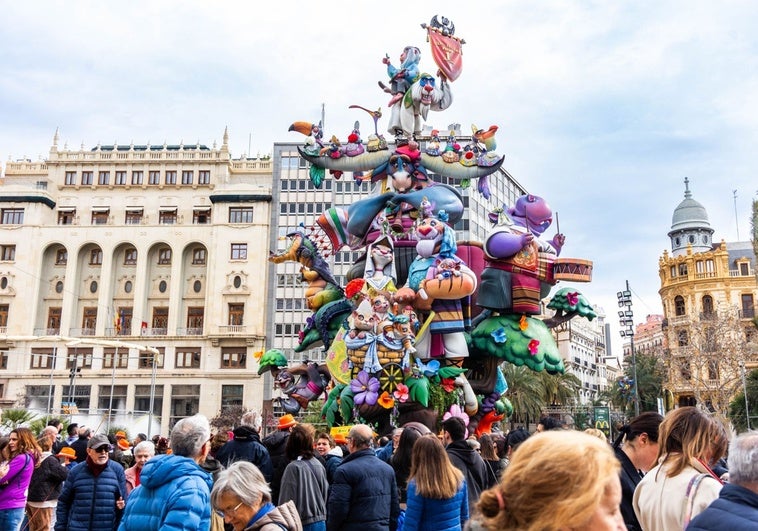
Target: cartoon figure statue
{"x":520,"y":272}
{"x":401,"y":78}
{"x":379,"y":271}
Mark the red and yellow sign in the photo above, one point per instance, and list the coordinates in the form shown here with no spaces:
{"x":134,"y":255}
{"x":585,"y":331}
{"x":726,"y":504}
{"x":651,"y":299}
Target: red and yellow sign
{"x":447,"y":52}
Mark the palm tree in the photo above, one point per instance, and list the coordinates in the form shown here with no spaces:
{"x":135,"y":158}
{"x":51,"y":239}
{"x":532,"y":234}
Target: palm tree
{"x":559,"y":389}
{"x":526,"y":393}
{"x":14,"y":418}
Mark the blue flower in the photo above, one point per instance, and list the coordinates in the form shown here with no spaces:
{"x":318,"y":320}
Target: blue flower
{"x":499,"y":335}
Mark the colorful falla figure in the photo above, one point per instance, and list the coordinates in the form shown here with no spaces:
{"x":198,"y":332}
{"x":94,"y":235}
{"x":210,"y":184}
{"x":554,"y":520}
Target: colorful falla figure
{"x":379,"y":271}
{"x":520,"y":270}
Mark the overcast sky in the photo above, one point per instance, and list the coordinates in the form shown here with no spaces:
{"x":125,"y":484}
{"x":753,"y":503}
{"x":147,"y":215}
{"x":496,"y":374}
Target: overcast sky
{"x":603,"y":107}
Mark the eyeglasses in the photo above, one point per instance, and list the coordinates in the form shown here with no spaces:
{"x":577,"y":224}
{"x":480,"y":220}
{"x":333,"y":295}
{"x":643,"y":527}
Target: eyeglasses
{"x":224,"y":514}
{"x":103,"y":449}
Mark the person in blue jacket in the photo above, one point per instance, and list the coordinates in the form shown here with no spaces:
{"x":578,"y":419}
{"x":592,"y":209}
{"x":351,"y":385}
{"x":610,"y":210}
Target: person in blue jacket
{"x":437,"y":495}
{"x":93,"y":493}
{"x":174,"y":491}
{"x":736,"y":508}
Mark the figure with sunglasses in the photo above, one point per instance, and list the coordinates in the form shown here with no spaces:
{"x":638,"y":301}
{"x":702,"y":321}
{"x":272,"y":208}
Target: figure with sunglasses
{"x":174,"y":491}
{"x":93,"y":493}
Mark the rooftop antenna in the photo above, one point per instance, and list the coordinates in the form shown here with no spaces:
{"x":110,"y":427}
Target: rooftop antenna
{"x":736,"y":218}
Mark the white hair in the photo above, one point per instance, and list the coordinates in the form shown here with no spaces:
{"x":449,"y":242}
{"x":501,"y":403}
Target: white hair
{"x":743,"y":459}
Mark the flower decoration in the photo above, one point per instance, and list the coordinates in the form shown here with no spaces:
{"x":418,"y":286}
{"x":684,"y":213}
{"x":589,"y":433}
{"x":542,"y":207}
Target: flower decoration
{"x":300,"y":335}
{"x":365,"y":389}
{"x":386,"y":401}
{"x":354,"y":287}
{"x":258,"y":355}
{"x":572,"y":298}
{"x":401,"y":392}
{"x":523,"y":324}
{"x":456,"y":411}
{"x":533,"y":346}
{"x":310,"y":322}
{"x":428,"y":369}
{"x":448,"y":384}
{"x":499,"y":335}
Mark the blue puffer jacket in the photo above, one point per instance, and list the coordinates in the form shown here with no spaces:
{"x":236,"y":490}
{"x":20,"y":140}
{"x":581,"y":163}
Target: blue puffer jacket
{"x":174,"y":493}
{"x":736,"y":509}
{"x":426,"y":514}
{"x":88,"y":503}
{"x":363,"y":495}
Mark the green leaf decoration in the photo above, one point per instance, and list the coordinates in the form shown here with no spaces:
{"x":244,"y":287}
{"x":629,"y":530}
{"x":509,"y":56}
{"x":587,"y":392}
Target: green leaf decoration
{"x":346,"y":403}
{"x":317,"y":175}
{"x":450,"y":372}
{"x":418,"y":389}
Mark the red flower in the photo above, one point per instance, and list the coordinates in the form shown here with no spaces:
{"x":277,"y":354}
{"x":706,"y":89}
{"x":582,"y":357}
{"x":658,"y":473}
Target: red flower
{"x":448,"y":384}
{"x":354,"y":287}
{"x":533,"y":346}
{"x":352,"y":138}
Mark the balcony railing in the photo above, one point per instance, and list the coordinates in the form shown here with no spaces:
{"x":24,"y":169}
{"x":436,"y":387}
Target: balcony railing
{"x":232,"y":329}
{"x":45,"y":331}
{"x":189,"y":331}
{"x":112,"y":332}
{"x":154,"y":331}
{"x":79,"y":332}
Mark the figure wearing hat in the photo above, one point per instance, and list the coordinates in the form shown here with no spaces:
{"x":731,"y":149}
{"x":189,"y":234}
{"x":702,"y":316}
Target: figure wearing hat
{"x":276,"y":443}
{"x":67,"y":455}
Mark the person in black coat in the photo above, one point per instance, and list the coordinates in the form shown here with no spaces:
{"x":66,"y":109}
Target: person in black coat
{"x":80,"y":445}
{"x":44,"y":487}
{"x":246,"y":446}
{"x":637,"y":455}
{"x":736,"y":508}
{"x":464,"y":458}
{"x":276,"y":443}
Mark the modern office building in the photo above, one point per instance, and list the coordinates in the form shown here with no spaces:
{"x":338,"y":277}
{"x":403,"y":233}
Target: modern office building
{"x":132,"y":282}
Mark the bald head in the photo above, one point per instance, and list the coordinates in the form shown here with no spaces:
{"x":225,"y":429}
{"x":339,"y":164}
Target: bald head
{"x":361,"y":436}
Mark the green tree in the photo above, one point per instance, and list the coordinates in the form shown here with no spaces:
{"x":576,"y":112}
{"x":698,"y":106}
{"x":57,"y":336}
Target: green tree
{"x":525,"y":391}
{"x":14,"y":418}
{"x":737,"y":412}
{"x":650,"y":376}
{"x":559,"y":389}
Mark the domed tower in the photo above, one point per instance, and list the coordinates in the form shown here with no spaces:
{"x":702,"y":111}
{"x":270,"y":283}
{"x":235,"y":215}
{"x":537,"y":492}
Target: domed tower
{"x":690,"y":226}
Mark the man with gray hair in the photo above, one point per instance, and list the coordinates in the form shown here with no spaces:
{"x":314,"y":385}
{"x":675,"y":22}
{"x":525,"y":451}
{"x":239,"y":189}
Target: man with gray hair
{"x":247,"y":446}
{"x":736,"y":508}
{"x":174,"y":492}
{"x":363,"y":495}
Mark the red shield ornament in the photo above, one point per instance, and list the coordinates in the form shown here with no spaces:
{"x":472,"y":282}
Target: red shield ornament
{"x":447,"y":52}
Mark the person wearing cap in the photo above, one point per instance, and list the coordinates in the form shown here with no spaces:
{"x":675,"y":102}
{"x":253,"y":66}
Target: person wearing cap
{"x":68,"y":455}
{"x":276,"y":443}
{"x":246,"y":446}
{"x":93,"y":494}
{"x":174,"y":491}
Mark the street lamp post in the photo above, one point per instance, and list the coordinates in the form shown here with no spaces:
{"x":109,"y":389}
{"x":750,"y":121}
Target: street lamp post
{"x":744,"y":390}
{"x":626,"y":321}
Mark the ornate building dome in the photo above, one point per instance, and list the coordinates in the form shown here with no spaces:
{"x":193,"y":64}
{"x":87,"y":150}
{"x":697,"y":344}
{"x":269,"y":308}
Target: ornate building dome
{"x":690,"y":225}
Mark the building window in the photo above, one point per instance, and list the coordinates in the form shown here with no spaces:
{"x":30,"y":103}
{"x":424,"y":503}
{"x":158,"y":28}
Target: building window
{"x":61,"y":257}
{"x":144,"y":395}
{"x":233,"y":357}
{"x":100,"y":217}
{"x":54,"y":321}
{"x":4,"y":308}
{"x":713,"y":369}
{"x":160,"y":320}
{"x":154,"y":177}
{"x":239,"y":251}
{"x":195,"y":317}
{"x":12,"y":216}
{"x":137,"y":177}
{"x":685,"y":371}
{"x":673,"y":271}
{"x":78,"y":397}
{"x":707,"y":305}
{"x":683,"y":338}
{"x":42,"y":358}
{"x":171,"y":177}
{"x":709,"y":266}
{"x":133,"y":216}
{"x":146,"y":359}
{"x":3,"y":359}
{"x":201,"y":216}
{"x":744,"y":269}
{"x":240,"y":214}
{"x":185,"y":402}
{"x":198,"y":256}
{"x":748,"y":308}
{"x":682,"y":270}
{"x":86,"y":178}
{"x":96,"y":257}
{"x":130,"y":256}
{"x":8,"y":253}
{"x":679,"y":305}
{"x":89,"y":321}
{"x":164,"y":256}
{"x":231,"y":395}
{"x":123,"y":321}
{"x":204,"y":177}
{"x":187,"y":176}
{"x":111,"y":358}
{"x":112,"y":398}
{"x":81,"y":358}
{"x":167,"y":216}
{"x":103,"y":177}
{"x":120,"y":178}
{"x":66,"y":217}
{"x":236,"y":314}
{"x":70,"y":178}
{"x":187,"y":358}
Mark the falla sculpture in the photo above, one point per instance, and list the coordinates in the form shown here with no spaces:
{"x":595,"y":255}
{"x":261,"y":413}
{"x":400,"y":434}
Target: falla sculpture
{"x":421,"y":328}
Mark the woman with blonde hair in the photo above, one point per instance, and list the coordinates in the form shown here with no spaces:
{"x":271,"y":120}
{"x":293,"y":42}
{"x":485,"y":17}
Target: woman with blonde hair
{"x":682,"y":485}
{"x":557,"y":480}
{"x":22,"y":455}
{"x":437,"y":495}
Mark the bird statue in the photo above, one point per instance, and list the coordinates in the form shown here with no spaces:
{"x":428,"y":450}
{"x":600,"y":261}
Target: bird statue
{"x":486,"y":138}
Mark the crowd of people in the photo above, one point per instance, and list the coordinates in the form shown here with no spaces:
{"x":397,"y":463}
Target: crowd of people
{"x":659,"y":474}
